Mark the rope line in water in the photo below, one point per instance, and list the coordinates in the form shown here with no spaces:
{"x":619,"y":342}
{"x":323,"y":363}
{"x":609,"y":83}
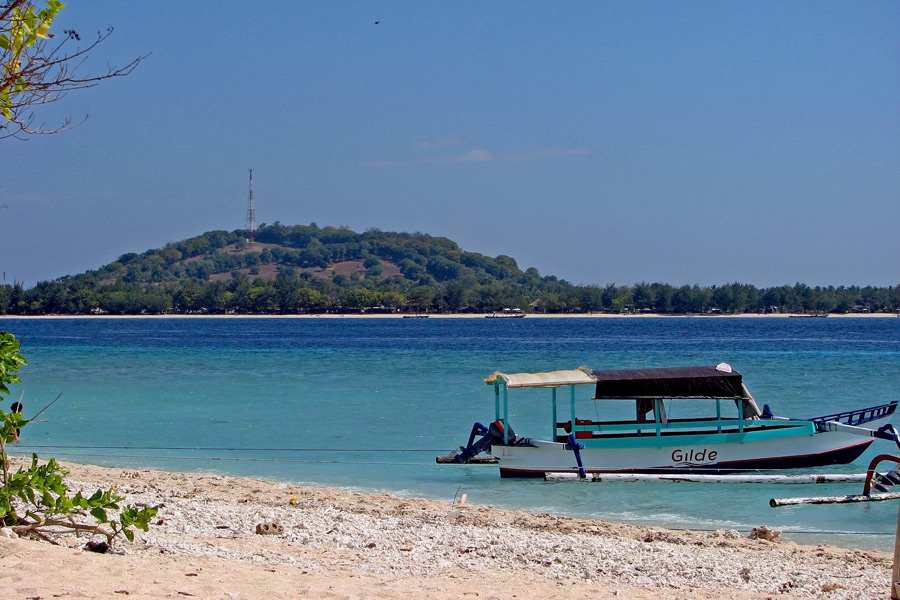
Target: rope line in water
{"x":234,"y":459}
{"x":226,"y":448}
{"x":806,"y":532}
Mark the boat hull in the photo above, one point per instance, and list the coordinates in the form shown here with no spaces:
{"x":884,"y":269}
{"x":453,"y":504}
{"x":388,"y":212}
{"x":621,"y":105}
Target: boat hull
{"x":712,"y":454}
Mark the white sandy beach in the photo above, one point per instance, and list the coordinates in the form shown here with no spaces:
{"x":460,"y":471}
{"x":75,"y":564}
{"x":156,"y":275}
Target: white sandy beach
{"x":338,"y":544}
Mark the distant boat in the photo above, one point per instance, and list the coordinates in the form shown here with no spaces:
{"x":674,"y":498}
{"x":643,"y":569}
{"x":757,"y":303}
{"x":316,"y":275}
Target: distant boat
{"x":415,"y":316}
{"x":508,"y":313}
{"x":816,"y":316}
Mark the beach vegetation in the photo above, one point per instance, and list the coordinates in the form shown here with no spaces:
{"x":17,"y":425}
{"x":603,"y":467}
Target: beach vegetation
{"x":36,"y":501}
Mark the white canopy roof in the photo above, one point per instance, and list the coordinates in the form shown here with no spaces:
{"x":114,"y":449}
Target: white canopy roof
{"x":550,"y":379}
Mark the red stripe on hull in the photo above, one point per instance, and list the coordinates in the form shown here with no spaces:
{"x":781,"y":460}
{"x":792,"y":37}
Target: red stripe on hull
{"x":841,"y":456}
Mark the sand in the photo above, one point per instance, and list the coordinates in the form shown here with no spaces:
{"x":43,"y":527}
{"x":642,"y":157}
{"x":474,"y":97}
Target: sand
{"x":327,"y":543}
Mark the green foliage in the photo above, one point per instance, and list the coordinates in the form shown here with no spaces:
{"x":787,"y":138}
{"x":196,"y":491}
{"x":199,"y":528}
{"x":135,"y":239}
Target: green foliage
{"x":36,"y":500}
{"x":11,"y":360}
{"x":293,"y":269}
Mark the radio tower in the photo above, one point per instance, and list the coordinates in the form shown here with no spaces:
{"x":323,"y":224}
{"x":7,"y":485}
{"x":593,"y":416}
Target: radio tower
{"x":251,"y":214}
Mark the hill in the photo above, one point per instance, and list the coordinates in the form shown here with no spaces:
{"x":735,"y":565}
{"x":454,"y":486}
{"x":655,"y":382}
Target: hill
{"x":294,"y":269}
{"x":308,"y":269}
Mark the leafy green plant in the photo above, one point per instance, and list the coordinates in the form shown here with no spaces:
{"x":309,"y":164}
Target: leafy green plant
{"x":36,"y":501}
{"x":10,"y":361}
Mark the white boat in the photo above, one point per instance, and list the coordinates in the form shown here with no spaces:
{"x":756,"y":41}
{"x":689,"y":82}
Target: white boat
{"x":641,"y":434}
{"x":508,"y":313}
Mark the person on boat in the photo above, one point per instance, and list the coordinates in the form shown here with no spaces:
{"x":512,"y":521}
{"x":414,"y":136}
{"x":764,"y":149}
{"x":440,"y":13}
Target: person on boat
{"x":646,"y":406}
{"x":16,"y":407}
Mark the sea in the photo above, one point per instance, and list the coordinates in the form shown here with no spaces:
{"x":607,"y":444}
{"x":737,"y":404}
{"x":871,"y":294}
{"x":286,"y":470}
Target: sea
{"x":366,"y":404}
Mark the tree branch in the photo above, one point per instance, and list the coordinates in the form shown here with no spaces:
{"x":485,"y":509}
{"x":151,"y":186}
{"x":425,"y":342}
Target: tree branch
{"x":41,"y":69}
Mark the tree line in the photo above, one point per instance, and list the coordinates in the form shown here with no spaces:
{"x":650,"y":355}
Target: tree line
{"x":290,"y":270}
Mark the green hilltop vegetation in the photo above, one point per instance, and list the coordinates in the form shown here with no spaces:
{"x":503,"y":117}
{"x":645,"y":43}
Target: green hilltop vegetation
{"x":304,"y":269}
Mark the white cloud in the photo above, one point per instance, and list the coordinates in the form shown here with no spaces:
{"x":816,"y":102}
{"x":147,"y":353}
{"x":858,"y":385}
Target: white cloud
{"x":548,"y":153}
{"x":476,"y":155}
{"x":431,"y":153}
{"x":379,"y":163}
{"x":437,"y":144}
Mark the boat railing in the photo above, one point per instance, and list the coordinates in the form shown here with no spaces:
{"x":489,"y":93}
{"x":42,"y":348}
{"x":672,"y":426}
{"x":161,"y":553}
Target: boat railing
{"x":857,"y":417}
{"x":585,"y":429}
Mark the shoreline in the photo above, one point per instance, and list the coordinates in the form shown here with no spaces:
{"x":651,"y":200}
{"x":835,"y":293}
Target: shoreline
{"x":468,"y":316}
{"x":344,"y":544}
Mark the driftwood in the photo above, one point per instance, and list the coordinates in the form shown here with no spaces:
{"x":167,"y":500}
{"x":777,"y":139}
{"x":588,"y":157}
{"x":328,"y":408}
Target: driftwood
{"x":41,"y":528}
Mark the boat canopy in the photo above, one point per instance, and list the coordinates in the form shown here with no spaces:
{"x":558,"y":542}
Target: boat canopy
{"x":712,"y":382}
{"x":550,"y":379}
{"x":719,"y":381}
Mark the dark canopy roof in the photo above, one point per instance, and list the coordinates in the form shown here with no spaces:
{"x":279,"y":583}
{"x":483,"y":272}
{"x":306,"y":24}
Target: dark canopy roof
{"x":719,"y":381}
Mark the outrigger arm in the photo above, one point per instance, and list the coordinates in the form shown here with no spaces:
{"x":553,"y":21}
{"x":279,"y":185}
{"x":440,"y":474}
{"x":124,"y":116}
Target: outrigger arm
{"x":885,"y":432}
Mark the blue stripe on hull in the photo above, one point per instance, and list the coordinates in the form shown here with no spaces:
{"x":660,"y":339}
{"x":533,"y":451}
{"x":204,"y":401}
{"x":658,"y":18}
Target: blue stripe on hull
{"x":841,"y":456}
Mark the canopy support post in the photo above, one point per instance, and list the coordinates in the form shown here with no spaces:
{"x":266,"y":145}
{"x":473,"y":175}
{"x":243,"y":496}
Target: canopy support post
{"x":505,"y":416}
{"x":572,"y":402}
{"x":657,"y":417}
{"x":555,"y":421}
{"x":718,"y":416}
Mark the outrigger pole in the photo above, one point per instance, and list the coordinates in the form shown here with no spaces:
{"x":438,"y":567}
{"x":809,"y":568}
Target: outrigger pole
{"x":707,"y":478}
{"x":880,"y":483}
{"x":848,"y":499}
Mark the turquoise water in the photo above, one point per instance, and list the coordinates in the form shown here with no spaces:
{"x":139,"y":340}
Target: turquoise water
{"x":366,"y":404}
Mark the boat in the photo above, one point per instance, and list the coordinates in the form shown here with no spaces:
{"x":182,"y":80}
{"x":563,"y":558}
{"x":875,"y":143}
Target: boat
{"x":719,"y":427}
{"x":508,"y":313}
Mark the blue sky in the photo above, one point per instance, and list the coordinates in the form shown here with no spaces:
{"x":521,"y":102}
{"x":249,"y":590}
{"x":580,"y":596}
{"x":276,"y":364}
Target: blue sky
{"x":601,"y":142}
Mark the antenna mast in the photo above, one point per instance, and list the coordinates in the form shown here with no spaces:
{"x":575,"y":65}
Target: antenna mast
{"x":251,"y":213}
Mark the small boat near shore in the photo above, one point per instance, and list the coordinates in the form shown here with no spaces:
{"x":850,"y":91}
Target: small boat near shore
{"x":507,"y":313}
{"x":719,"y":426}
